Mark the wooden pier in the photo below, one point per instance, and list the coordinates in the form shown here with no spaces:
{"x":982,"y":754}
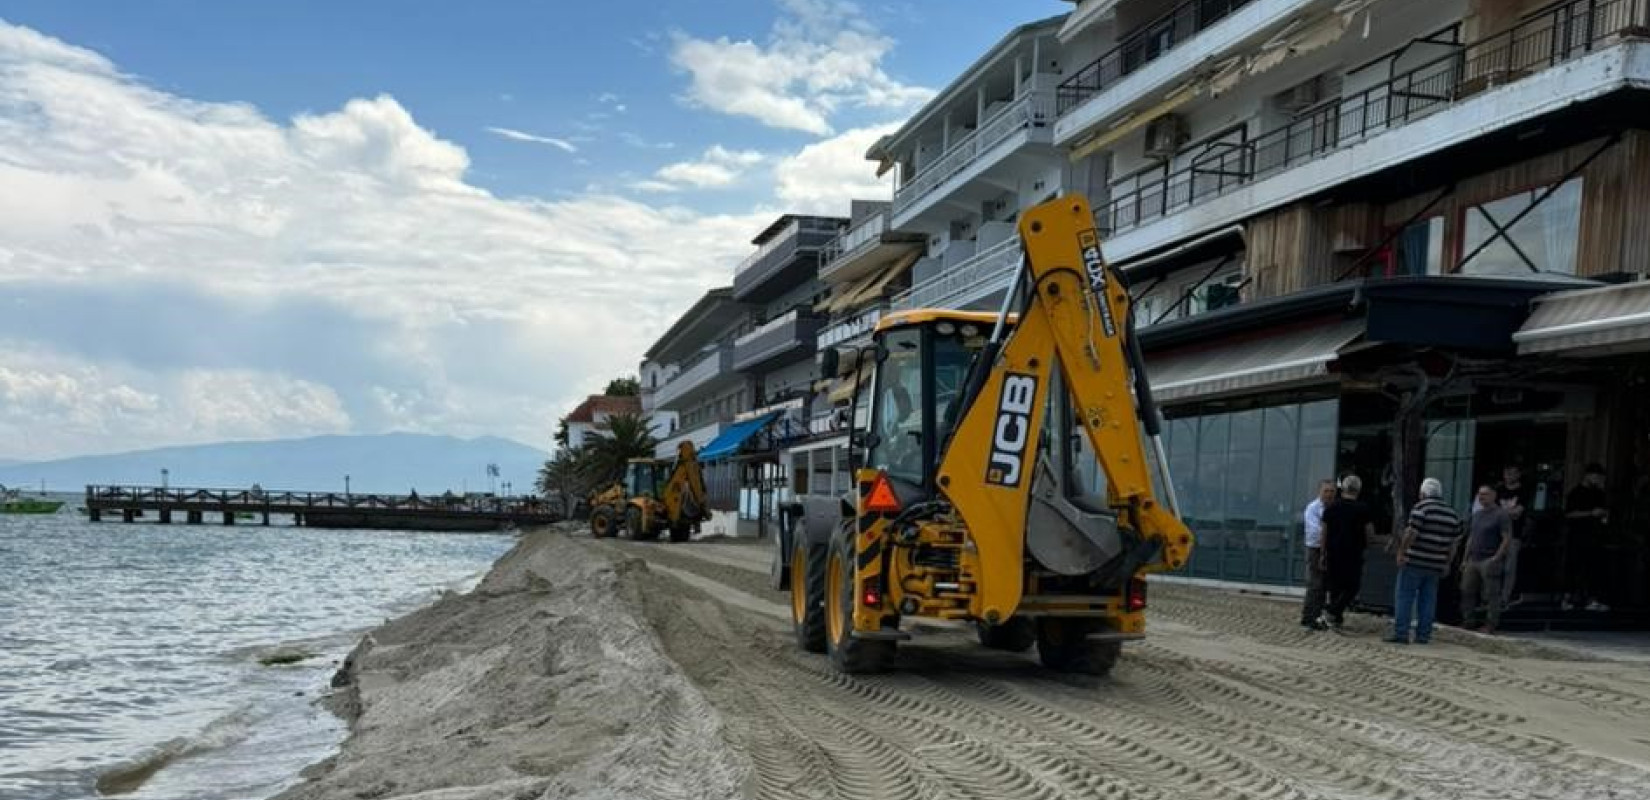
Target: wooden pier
{"x":444,"y":512}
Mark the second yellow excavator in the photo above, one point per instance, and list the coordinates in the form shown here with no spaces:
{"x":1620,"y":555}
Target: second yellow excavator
{"x":972,"y":501}
{"x":655,"y":496}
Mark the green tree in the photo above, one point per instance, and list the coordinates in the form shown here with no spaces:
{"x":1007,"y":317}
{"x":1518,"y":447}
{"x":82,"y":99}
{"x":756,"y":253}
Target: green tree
{"x":565,"y":478}
{"x":627,"y":386}
{"x":562,"y":437}
{"x":627,"y":436}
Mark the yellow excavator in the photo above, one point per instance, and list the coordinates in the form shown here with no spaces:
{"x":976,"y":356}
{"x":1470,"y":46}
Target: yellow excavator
{"x":655,"y":496}
{"x":972,"y":502}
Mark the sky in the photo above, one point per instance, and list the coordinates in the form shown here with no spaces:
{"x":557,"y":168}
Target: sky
{"x":262,"y":220}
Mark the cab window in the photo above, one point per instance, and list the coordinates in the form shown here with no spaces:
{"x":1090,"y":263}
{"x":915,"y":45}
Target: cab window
{"x":898,"y":408}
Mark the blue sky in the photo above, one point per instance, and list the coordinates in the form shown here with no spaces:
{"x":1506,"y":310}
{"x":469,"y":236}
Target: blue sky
{"x":369,"y":216}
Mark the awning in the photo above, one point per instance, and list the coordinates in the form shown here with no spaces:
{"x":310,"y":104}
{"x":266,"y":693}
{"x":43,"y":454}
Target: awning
{"x":868,"y":287}
{"x":1589,"y":322}
{"x":1269,"y":361}
{"x":729,"y":441}
{"x":1140,"y":119}
{"x":842,"y":388}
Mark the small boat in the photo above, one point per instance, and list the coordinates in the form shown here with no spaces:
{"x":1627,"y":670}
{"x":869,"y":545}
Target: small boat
{"x":12,"y":501}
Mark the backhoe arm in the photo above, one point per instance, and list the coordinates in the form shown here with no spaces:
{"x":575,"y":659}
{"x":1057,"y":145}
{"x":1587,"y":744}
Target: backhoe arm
{"x":684,"y":492}
{"x":1076,"y":316}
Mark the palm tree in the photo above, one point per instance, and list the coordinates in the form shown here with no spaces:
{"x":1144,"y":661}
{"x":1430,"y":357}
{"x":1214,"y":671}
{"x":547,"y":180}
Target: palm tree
{"x":628,"y":436}
{"x":566,"y":479}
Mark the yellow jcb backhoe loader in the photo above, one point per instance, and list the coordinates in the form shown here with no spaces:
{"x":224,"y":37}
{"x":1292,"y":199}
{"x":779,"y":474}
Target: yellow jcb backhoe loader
{"x":655,"y":496}
{"x":972,"y":503}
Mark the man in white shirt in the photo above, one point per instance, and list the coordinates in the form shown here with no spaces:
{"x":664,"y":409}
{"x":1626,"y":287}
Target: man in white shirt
{"x":1312,"y":608}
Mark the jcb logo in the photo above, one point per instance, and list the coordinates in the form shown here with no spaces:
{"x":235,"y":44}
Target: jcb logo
{"x":1013,"y":429}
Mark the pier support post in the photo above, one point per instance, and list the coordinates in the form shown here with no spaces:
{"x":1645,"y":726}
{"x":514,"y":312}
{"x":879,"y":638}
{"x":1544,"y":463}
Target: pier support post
{"x":94,"y":514}
{"x":266,"y":519}
{"x":166,"y":516}
{"x":229,"y":518}
{"x":128,"y":515}
{"x":193,"y":517}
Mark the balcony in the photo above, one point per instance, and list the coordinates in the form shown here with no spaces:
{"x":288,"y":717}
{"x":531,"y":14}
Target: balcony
{"x":1465,"y":94}
{"x":783,"y":337}
{"x":784,"y":260}
{"x":710,"y":370}
{"x":1141,"y":47}
{"x":966,"y":283}
{"x":1027,"y":120}
{"x":853,"y":327}
{"x":859,"y":250}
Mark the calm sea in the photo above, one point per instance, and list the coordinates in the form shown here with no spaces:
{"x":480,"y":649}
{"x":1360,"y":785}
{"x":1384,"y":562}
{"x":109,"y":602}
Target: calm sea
{"x":130,"y":646}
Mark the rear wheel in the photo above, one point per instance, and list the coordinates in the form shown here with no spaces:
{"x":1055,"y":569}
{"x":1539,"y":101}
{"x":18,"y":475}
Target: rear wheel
{"x":1017,"y":635}
{"x":633,"y":522}
{"x":602,"y":522}
{"x":850,"y":655}
{"x":681,"y":533}
{"x":1063,"y":645}
{"x":808,"y":562}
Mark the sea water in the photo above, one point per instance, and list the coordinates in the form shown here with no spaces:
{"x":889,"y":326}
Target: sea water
{"x":134,"y":650}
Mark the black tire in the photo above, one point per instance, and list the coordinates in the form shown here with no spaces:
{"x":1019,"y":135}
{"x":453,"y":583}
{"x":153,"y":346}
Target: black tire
{"x":1063,"y":645}
{"x":681,"y":533}
{"x":1017,"y":635}
{"x":849,"y":655}
{"x":808,"y":563}
{"x":633,"y":523}
{"x":602,"y":522}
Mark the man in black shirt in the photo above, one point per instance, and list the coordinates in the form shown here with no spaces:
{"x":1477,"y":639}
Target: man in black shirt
{"x":1586,"y":512}
{"x":1347,"y":526}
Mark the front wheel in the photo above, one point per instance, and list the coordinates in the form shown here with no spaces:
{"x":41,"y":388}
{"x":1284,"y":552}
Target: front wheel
{"x":638,"y":531}
{"x":602,"y":522}
{"x":1063,"y":645}
{"x":849,"y":654}
{"x":808,"y":564}
{"x":681,"y":533}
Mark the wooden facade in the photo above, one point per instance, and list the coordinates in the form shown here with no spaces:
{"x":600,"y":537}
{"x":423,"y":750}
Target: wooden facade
{"x":1305,"y":245}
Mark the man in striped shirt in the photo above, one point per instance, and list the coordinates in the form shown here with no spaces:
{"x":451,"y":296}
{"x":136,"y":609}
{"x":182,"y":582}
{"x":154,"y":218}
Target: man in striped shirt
{"x":1424,"y":557}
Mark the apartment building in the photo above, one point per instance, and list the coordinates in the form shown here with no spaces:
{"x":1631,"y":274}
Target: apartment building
{"x":590,"y":417}
{"x":688,"y":375}
{"x":1338,"y":217}
{"x":970,"y":160}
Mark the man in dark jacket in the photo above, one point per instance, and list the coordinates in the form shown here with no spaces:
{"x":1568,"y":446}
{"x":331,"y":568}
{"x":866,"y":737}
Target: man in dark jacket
{"x":1347,"y":526}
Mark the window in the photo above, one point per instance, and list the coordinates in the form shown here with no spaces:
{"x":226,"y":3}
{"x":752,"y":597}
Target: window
{"x":1418,"y":249}
{"x":1544,"y":240}
{"x":898,"y":411}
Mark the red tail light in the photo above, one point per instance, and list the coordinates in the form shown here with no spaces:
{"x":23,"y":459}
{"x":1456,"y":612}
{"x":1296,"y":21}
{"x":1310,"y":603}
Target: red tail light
{"x":1135,"y":598}
{"x":873,"y":596}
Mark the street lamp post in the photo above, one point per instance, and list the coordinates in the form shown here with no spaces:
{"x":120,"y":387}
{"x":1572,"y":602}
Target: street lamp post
{"x":346,"y":486}
{"x":165,"y":477}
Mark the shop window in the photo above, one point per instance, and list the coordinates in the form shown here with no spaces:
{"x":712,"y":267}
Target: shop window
{"x":1544,"y":240}
{"x":1418,"y":249}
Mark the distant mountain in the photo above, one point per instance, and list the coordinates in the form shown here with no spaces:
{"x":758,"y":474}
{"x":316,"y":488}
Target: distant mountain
{"x":393,"y":462}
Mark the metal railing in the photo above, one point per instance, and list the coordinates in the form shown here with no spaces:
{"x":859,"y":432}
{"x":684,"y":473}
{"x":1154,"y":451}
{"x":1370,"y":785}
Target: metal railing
{"x":785,"y":236}
{"x":852,"y":239}
{"x":1141,"y":47}
{"x":696,"y":372}
{"x":1561,"y":33}
{"x":977,"y":276}
{"x":1033,"y":110}
{"x":859,"y":324}
{"x":288,"y":501}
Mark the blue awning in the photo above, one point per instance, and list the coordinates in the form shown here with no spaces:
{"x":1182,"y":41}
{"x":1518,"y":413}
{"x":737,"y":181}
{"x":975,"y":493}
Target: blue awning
{"x":729,"y":441}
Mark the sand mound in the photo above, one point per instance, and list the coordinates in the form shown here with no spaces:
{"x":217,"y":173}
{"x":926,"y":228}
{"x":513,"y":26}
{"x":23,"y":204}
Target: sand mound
{"x":543,"y":682}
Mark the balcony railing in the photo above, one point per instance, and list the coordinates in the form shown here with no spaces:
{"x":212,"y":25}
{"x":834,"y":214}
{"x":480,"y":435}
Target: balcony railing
{"x":1561,"y":33}
{"x":802,"y":236}
{"x":852,"y":327}
{"x":703,"y":369}
{"x":1033,"y":110}
{"x":780,"y":336}
{"x":852,"y":241}
{"x":986,"y":272}
{"x":1143,"y":46}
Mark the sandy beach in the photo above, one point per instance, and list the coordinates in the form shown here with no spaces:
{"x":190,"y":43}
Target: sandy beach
{"x":583,"y":669}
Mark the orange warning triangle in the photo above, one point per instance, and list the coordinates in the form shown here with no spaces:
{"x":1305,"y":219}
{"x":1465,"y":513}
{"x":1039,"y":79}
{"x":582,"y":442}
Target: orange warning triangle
{"x":882,"y":499}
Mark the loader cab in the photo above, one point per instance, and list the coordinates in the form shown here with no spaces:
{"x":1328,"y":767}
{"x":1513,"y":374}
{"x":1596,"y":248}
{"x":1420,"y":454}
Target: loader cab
{"x":922,"y":364}
{"x":642,"y":477}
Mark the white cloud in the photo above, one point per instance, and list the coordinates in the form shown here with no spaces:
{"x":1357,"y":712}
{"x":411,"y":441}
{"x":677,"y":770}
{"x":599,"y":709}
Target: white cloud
{"x":821,"y":55}
{"x":180,"y":260}
{"x":636,"y":140}
{"x":822,"y":177}
{"x":654,"y":186}
{"x":522,"y":136}
{"x":717,"y":167}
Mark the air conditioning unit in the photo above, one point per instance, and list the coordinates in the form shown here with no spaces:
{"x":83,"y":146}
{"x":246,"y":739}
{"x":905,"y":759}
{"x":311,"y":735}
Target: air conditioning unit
{"x":1165,"y":135}
{"x":1301,"y":97}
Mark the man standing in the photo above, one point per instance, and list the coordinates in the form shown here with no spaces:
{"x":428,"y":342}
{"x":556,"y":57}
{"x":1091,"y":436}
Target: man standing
{"x":1586,"y":512}
{"x":1347,"y":526}
{"x":1424,"y":556}
{"x":1515,"y":496}
{"x":1312,"y":608}
{"x":1489,"y":537}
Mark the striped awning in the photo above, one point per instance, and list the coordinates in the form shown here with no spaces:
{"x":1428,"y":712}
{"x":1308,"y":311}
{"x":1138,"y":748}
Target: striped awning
{"x":1589,"y":322}
{"x":1277,"y":360}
